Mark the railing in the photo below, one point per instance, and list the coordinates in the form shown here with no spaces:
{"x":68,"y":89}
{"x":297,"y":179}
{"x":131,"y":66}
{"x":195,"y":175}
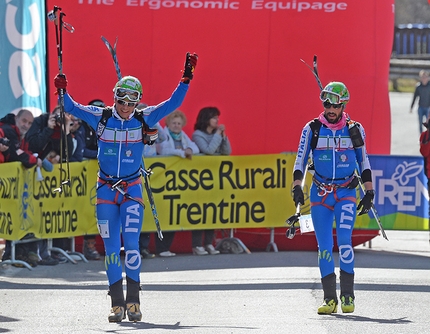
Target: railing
{"x":411,"y":52}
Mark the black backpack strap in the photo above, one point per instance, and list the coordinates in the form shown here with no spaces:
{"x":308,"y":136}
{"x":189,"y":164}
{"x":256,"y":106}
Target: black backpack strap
{"x":355,"y":133}
{"x":107,"y":113}
{"x":139,"y":116}
{"x":149,"y":136}
{"x":315,"y":126}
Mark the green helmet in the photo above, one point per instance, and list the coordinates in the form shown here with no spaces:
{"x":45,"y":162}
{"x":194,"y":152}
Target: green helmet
{"x":128,"y":87}
{"x":335,"y":93}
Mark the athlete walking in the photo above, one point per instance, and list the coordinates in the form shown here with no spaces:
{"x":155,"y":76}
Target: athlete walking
{"x":122,"y":132}
{"x":337,"y":149}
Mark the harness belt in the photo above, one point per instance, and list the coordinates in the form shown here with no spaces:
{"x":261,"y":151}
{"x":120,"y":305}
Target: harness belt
{"x":338,"y":179}
{"x":131,"y":176}
{"x":120,"y":185}
{"x":325,"y":188}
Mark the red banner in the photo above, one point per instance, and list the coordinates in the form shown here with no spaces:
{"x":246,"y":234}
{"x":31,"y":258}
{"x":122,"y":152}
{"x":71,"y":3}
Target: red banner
{"x":249,"y":65}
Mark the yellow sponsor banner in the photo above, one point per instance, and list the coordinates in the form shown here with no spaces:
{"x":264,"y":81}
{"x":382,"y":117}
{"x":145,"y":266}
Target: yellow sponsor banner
{"x":12,"y":197}
{"x":207,"y":192}
{"x":32,"y":206}
{"x":218,"y":192}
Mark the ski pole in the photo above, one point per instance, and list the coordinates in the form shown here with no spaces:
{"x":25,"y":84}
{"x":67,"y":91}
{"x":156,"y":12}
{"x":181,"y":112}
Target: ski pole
{"x":291,"y":222}
{"x":118,"y":187}
{"x":373,"y":209}
{"x":59,"y":24}
{"x":146,"y":174}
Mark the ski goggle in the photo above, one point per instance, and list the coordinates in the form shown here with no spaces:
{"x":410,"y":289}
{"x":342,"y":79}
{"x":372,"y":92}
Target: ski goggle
{"x":131,"y":95}
{"x":125,"y":103}
{"x":333,"y":98}
{"x":328,"y":105}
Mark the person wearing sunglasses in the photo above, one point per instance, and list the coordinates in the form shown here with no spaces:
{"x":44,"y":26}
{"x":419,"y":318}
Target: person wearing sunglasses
{"x":121,"y":140}
{"x":337,"y":147}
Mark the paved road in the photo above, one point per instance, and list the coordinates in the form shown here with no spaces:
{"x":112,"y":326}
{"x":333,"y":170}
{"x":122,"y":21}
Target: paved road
{"x":404,"y":125}
{"x":246,"y":293}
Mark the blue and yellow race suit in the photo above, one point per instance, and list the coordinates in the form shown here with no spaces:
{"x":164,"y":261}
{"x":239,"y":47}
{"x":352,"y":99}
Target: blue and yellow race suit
{"x":120,"y":150}
{"x":335,"y":160}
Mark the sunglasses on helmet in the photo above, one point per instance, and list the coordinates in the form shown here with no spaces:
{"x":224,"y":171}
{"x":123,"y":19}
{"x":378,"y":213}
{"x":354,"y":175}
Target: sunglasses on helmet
{"x":328,"y":105}
{"x":333,"y":98}
{"x":124,"y":103}
{"x":131,"y":95}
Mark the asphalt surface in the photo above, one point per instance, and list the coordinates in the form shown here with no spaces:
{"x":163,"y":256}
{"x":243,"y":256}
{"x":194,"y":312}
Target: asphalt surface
{"x":259,"y":292}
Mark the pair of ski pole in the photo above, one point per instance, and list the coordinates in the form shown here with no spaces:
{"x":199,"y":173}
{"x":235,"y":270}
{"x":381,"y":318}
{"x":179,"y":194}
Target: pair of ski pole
{"x":295,"y":218}
{"x":56,"y":16}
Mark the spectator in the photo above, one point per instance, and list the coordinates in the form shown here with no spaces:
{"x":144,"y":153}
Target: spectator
{"x":91,"y":147}
{"x":149,"y":151}
{"x":210,"y":137}
{"x":13,"y":128}
{"x":44,"y":135}
{"x":78,"y":140}
{"x":422,"y":93}
{"x":144,"y":239}
{"x":177,"y":143}
{"x":44,"y":138}
{"x":89,"y":248}
{"x":425,"y":151}
{"x":80,"y":137}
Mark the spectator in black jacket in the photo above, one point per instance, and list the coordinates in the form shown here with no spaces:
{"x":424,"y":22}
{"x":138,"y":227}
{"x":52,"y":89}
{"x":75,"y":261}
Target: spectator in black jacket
{"x":422,"y":93}
{"x":44,"y":135}
{"x":44,"y":138}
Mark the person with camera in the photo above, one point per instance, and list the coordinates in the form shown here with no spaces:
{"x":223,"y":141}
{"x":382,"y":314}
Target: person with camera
{"x":122,"y":132}
{"x":45,"y":133}
{"x":44,"y":138}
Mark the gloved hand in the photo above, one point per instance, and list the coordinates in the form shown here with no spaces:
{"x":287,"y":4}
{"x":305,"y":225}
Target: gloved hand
{"x":366,"y":202}
{"x":60,"y":82}
{"x":298,"y":196}
{"x":189,"y":67}
{"x":149,"y":136}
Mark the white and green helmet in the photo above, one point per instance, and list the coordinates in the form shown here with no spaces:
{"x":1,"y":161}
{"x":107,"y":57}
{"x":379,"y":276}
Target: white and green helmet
{"x":335,"y":93}
{"x":128,"y":87}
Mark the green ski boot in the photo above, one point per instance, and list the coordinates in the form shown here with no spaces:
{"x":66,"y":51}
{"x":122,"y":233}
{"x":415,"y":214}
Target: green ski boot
{"x":329,"y":304}
{"x":347,"y":292}
{"x":347,"y":304}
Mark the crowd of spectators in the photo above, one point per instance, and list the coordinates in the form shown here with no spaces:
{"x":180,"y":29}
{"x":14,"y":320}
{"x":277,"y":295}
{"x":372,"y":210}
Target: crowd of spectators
{"x":36,"y":142}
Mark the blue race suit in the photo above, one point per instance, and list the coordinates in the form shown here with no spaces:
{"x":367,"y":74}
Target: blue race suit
{"x":120,"y":150}
{"x":335,"y":160}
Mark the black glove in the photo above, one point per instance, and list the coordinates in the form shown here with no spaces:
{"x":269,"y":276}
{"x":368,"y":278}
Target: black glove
{"x":189,"y":67}
{"x":149,"y":136}
{"x":298,"y":196}
{"x":366,"y":202}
